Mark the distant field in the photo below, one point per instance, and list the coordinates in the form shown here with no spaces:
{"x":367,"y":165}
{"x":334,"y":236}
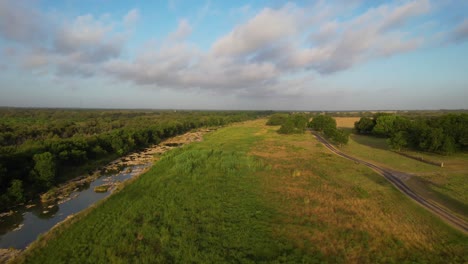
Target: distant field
{"x":249,"y":195}
{"x":346,"y":122}
{"x":447,"y":185}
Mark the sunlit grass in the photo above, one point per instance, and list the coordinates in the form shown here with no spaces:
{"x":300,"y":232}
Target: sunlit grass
{"x":346,"y":211}
{"x":447,"y":186}
{"x":249,"y":195}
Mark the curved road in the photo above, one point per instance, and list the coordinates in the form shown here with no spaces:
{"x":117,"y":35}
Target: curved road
{"x":438,"y":210}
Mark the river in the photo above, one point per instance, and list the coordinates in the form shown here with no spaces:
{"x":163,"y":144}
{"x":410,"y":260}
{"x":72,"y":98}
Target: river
{"x":26,"y":224}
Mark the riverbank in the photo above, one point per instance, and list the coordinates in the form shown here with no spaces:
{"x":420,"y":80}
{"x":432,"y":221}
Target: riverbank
{"x":133,"y":165}
{"x":147,"y":156}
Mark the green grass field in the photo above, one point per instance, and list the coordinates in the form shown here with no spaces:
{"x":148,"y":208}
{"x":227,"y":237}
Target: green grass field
{"x":249,"y":195}
{"x":447,"y":186}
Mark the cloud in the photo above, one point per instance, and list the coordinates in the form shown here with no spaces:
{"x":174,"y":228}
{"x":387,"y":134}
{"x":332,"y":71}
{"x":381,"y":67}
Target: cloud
{"x":74,"y":47}
{"x":35,"y":59}
{"x":265,"y":28}
{"x":21,"y":23}
{"x":276,"y":52}
{"x":257,"y":58}
{"x":131,"y":18}
{"x":182,"y":32}
{"x":184,"y":67}
{"x":401,"y":14}
{"x":460,"y":33}
{"x":376,"y":33}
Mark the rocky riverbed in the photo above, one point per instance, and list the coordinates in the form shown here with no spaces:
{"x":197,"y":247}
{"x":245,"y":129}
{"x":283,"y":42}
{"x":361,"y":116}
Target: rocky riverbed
{"x":147,"y":156}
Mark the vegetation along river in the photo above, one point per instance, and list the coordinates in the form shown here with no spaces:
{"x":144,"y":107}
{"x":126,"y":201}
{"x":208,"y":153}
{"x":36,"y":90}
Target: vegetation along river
{"x":25,"y":223}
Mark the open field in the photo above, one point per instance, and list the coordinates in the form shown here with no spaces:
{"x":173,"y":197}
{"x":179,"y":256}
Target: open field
{"x":249,"y":195}
{"x":447,"y":186}
{"x":346,"y":122}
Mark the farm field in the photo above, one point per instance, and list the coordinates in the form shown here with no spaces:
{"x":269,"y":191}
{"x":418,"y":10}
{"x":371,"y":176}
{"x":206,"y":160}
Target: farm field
{"x":447,"y":186}
{"x":249,"y":195}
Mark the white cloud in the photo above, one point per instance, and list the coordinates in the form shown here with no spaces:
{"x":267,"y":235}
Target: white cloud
{"x":261,"y":57}
{"x":376,"y":33}
{"x":182,"y":32}
{"x":256,"y":57}
{"x":266,"y":28}
{"x":131,"y":18}
{"x":400,"y":15}
{"x":84,"y":31}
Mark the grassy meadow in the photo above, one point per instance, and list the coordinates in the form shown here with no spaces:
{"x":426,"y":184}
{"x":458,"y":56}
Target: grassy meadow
{"x":247,"y":194}
{"x":447,"y":186}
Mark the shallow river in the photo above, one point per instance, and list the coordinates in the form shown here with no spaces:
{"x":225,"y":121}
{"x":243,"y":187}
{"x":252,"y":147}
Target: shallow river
{"x":26,"y":224}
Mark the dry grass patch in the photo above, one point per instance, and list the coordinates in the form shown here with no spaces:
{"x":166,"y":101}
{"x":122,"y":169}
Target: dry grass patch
{"x":346,"y":122}
{"x":348,"y":213}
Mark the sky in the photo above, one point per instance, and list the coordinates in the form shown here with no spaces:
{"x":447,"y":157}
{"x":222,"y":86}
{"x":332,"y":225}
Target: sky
{"x":249,"y":55}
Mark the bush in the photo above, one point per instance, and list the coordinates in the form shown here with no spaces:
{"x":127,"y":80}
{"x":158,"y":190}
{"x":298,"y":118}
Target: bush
{"x":295,"y":124}
{"x":322,"y":122}
{"x":327,"y":125}
{"x":277,"y":119}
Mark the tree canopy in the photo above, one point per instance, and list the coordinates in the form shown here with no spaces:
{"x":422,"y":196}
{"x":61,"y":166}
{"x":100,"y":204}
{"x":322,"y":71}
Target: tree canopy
{"x":327,"y":125}
{"x":40,"y":148}
{"x":441,"y":134}
{"x":322,"y":122}
{"x":277,"y":119}
{"x":295,"y":124}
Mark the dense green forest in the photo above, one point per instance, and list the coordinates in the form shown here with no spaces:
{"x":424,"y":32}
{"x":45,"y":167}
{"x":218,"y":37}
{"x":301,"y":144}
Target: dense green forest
{"x":443,"y":134}
{"x":40,"y":148}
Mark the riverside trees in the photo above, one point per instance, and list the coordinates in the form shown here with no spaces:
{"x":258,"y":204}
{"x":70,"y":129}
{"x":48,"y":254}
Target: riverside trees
{"x":40,"y":148}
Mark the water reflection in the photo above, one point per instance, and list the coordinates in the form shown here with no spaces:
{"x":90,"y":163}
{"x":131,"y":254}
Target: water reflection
{"x":26,"y":224}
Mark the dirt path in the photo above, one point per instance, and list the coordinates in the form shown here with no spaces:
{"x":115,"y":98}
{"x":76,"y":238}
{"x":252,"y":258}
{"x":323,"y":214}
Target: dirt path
{"x":396,"y":179}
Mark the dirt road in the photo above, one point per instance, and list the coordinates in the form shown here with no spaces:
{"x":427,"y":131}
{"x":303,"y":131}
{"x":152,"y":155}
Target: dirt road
{"x":395,"y":178}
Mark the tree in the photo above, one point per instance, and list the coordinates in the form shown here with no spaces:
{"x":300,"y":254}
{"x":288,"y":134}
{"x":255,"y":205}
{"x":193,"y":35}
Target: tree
{"x":341,"y":137}
{"x":287,"y":127}
{"x":384,"y":125}
{"x":44,"y":169}
{"x":448,"y":145}
{"x":15,"y":191}
{"x":3,"y":174}
{"x":338,"y":136}
{"x":364,"y":125}
{"x":398,"y":140}
{"x":277,"y":119}
{"x":432,"y":139}
{"x":300,"y":122}
{"x":295,"y":124}
{"x":322,"y":122}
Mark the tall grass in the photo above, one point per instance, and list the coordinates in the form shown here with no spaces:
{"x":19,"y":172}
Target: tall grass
{"x":249,"y":195}
{"x":196,"y":205}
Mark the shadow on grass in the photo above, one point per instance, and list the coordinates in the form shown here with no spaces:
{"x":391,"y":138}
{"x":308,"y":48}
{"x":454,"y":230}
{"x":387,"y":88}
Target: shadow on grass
{"x":370,"y":141}
{"x":376,"y":177}
{"x":452,"y":204}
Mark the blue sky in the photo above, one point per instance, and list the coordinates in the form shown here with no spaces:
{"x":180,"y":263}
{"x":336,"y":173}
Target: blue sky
{"x":302,"y":55}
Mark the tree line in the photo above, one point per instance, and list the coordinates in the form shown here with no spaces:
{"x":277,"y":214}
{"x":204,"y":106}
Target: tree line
{"x":445,"y":134}
{"x":298,"y":123}
{"x":40,"y":148}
